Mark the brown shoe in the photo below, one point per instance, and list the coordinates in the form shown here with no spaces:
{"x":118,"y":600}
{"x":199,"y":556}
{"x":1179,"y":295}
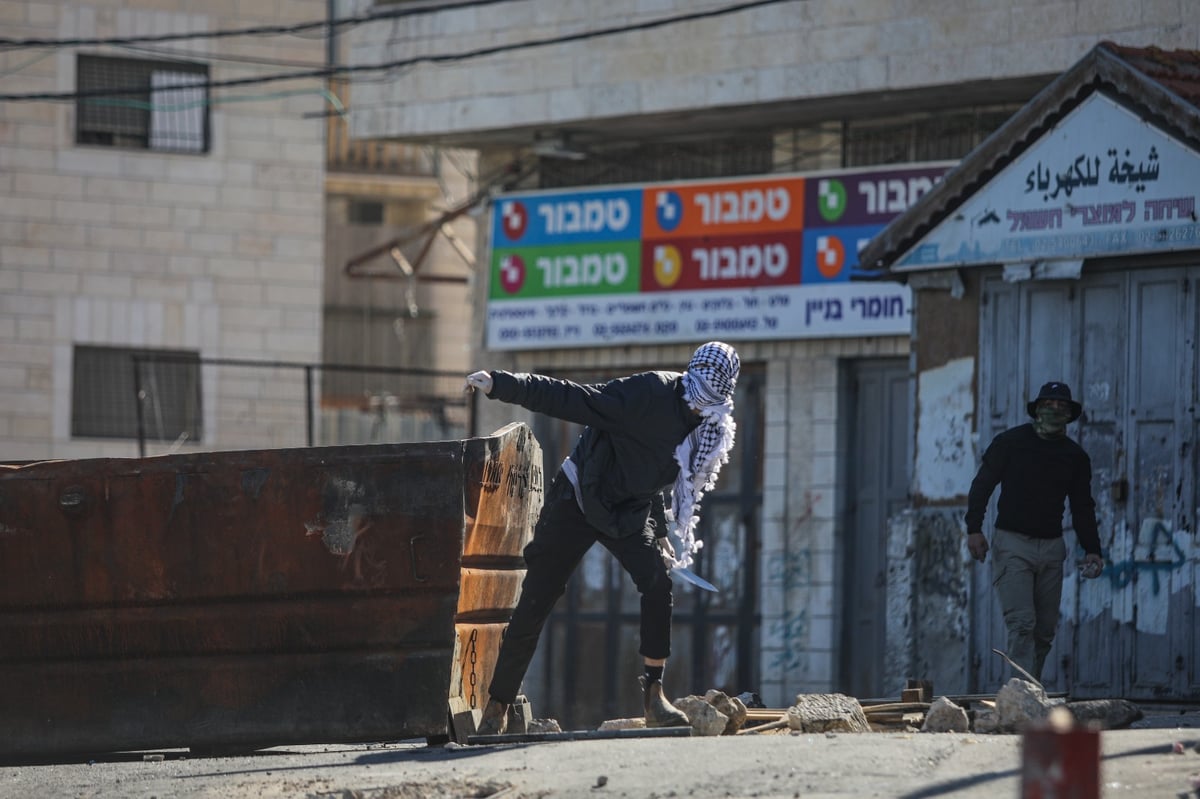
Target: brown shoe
{"x":495,"y":719}
{"x":659,"y":711}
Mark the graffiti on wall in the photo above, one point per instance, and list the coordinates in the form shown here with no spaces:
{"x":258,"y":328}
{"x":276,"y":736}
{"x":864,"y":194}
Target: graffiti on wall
{"x":792,"y":571}
{"x":1158,"y":555}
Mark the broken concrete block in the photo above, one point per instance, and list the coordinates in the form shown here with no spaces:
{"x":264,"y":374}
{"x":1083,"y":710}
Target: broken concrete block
{"x":622,"y":724}
{"x":705,"y":719}
{"x":986,"y":721}
{"x":1020,"y":703}
{"x":731,"y":706}
{"x":827,"y":713}
{"x":1105,"y":714}
{"x":945,"y":716}
{"x":544,"y":725}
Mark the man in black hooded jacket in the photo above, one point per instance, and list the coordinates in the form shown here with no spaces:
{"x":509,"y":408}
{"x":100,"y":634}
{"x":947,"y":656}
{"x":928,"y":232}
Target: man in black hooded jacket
{"x":639,"y":431}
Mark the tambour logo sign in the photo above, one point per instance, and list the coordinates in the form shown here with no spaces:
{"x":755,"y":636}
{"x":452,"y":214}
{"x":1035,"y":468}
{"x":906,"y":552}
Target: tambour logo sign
{"x":668,"y":210}
{"x":748,"y":205}
{"x":513,"y":217}
{"x":565,"y":270}
{"x":831,"y":256}
{"x":512,"y":273}
{"x":583,"y":271}
{"x":668,"y":266}
{"x":831,"y":199}
{"x":589,"y":216}
{"x":707,"y":209}
{"x":567,"y":218}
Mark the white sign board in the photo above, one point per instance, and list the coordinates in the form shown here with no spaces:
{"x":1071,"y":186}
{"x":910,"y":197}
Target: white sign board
{"x":1102,"y":181}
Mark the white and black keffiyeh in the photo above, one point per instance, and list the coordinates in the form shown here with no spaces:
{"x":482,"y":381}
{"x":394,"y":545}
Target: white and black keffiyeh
{"x":708,"y":386}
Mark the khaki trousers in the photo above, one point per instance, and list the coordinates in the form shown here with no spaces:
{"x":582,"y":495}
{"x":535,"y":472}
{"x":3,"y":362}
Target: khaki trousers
{"x":1028,"y":576}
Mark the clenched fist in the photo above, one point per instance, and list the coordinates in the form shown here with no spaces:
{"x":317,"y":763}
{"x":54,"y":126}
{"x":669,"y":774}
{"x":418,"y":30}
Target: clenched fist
{"x":977,"y":545}
{"x":481,"y":380}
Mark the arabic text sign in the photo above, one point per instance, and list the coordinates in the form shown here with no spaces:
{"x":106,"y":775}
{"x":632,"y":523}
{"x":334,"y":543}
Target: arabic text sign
{"x":1101,"y":182}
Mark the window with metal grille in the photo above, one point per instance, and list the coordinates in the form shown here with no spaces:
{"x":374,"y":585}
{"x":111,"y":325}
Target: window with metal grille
{"x":364,"y":212}
{"x":746,"y":154}
{"x":104,"y":400}
{"x":920,"y":137}
{"x":166,"y":108}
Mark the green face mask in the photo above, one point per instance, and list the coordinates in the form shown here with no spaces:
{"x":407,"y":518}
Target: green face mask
{"x":1051,"y":422}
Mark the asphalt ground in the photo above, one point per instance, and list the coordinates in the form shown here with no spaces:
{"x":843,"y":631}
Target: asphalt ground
{"x":1157,"y":759}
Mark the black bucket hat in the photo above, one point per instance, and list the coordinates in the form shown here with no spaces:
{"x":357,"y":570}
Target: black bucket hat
{"x":1055,"y":391}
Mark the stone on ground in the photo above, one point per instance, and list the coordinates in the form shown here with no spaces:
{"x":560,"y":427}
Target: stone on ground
{"x":827,"y":713}
{"x":945,"y":716}
{"x":730,"y":706}
{"x":705,"y":719}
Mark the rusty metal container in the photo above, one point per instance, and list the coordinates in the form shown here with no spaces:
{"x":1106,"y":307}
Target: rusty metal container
{"x":256,"y":598}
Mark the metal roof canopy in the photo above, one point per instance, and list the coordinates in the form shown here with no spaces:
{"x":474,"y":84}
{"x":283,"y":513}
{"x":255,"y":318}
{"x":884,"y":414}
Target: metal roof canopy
{"x":1162,"y":86}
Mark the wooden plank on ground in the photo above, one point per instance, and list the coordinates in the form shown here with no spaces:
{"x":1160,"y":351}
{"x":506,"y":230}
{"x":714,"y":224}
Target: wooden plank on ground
{"x":581,"y":735}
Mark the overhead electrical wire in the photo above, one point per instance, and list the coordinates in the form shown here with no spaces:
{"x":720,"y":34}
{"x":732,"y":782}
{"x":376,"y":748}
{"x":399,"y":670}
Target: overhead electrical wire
{"x":260,"y":30}
{"x":328,"y":72}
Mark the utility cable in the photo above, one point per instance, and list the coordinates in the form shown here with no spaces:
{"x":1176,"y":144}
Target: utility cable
{"x":328,"y":72}
{"x":260,"y":30}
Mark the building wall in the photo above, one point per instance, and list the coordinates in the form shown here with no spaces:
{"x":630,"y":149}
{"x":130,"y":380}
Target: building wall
{"x":791,"y":51}
{"x":776,"y":67}
{"x":218,"y":253}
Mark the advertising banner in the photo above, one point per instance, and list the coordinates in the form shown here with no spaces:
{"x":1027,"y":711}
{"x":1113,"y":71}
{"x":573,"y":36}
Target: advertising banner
{"x":767,"y":257}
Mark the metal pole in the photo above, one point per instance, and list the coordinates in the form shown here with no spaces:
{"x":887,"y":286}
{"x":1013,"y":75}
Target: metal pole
{"x":137,"y":398}
{"x":308,"y":401}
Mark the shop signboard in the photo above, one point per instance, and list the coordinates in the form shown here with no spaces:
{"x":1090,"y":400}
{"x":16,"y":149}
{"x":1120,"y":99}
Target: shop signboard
{"x":768,"y":257}
{"x":1102,"y":182}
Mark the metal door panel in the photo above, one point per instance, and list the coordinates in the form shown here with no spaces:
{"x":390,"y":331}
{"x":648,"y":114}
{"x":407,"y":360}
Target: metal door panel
{"x":878,"y":476}
{"x":1049,"y":314}
{"x":1087,"y":617}
{"x":1128,"y":349}
{"x":1000,"y":402}
{"x":1159,"y":632}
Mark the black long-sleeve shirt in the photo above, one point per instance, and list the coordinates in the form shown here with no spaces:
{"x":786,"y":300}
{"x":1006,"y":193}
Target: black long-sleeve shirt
{"x":626,"y":454}
{"x":1036,"y":476}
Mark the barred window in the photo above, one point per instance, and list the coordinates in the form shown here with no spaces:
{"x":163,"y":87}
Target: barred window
{"x":364,"y":212}
{"x":920,"y":137}
{"x":166,"y":108}
{"x":103,"y":400}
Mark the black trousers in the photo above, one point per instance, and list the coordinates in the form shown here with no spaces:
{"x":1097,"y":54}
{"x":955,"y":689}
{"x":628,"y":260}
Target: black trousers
{"x":561,"y":537}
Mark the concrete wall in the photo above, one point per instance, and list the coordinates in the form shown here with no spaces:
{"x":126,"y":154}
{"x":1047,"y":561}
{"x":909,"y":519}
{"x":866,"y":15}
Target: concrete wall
{"x":790,"y":51}
{"x":218,"y":253}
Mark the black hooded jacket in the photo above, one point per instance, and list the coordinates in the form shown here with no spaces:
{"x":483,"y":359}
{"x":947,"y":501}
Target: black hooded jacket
{"x":625,"y":456}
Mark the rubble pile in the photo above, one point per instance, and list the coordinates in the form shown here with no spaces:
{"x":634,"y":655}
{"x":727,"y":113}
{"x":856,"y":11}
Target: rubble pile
{"x":1016,"y":707}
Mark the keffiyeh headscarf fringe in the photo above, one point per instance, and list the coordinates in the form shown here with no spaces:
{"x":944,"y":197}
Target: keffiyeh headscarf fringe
{"x":708,"y":386}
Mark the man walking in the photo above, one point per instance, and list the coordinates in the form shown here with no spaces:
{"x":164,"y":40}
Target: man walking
{"x":1038,"y":468}
{"x":644,"y":433}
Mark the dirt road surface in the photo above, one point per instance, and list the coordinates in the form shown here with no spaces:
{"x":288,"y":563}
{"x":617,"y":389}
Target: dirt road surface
{"x":1139,"y":763}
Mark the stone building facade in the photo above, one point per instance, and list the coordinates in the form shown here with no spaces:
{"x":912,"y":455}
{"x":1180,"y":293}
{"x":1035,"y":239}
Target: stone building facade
{"x":634,"y":91}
